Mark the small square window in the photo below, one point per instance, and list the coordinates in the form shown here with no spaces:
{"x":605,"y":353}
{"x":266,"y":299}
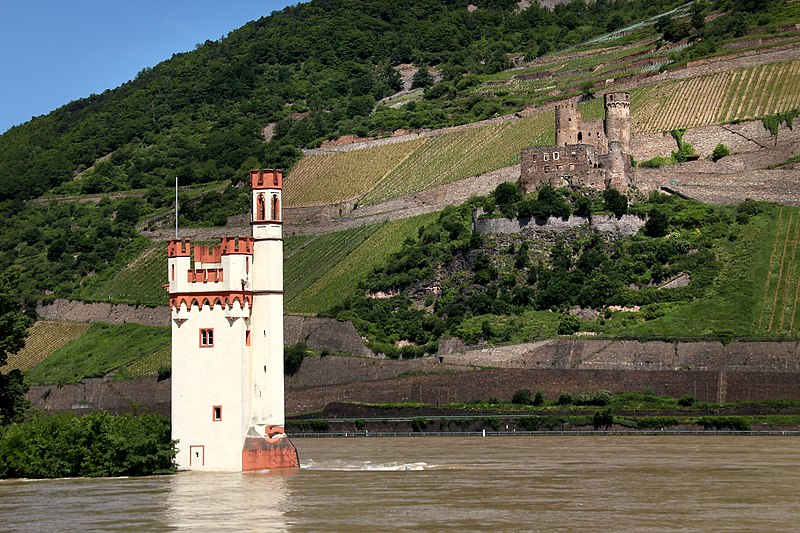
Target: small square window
{"x":216,"y":413}
{"x":207,"y":338}
{"x":555,"y":156}
{"x":547,"y":168}
{"x":545,"y":156}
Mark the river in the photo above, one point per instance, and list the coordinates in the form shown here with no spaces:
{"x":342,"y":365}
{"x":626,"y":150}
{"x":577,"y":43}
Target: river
{"x":613,"y":483}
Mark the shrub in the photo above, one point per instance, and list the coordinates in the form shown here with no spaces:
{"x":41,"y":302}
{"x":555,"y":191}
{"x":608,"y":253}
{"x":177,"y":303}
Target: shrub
{"x":568,"y":325}
{"x":538,"y":398}
{"x":686,"y":401}
{"x":602,"y":397}
{"x":419,"y":424}
{"x":522,"y":397}
{"x":564,"y":398}
{"x":719,"y":152}
{"x":293,"y":357}
{"x":603,"y":419}
{"x":657,"y":224}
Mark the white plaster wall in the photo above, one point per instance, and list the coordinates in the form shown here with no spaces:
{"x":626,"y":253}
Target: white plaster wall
{"x":202,"y":378}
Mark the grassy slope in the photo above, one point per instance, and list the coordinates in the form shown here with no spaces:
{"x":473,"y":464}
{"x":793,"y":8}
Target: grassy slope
{"x":101,"y":350}
{"x":342,"y":280}
{"x":733,"y":303}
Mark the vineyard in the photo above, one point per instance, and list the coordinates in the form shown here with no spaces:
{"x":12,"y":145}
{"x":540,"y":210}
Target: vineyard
{"x":139,"y":283}
{"x":342,"y":280}
{"x":781,"y":290}
{"x":379,"y":173}
{"x":331,"y":178}
{"x":717,"y":98}
{"x":102,"y":349}
{"x":150,"y":364}
{"x":307,"y":259}
{"x":44,"y":338}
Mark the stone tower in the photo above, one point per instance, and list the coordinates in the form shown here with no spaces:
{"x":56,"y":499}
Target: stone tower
{"x":617,"y":123}
{"x":568,"y":123}
{"x":227,"y":344}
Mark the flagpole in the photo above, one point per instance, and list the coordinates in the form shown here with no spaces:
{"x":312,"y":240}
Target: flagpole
{"x":176,"y":208}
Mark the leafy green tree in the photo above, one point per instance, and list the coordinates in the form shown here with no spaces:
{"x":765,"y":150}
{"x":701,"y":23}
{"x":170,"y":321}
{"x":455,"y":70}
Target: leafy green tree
{"x":657,"y":224}
{"x":14,"y":325}
{"x":422,"y":78}
{"x":615,"y":201}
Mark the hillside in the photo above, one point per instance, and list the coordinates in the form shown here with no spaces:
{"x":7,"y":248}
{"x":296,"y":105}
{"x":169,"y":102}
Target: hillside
{"x":366,"y":237}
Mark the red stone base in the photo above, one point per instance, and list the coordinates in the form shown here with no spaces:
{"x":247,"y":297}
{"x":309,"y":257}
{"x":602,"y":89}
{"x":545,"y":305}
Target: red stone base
{"x":269,"y":453}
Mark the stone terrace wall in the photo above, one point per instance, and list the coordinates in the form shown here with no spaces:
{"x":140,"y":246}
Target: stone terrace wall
{"x":595,"y":354}
{"x":625,"y":225}
{"x":317,"y":332}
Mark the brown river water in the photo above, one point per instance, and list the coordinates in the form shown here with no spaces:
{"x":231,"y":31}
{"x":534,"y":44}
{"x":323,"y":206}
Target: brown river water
{"x":564,"y":483}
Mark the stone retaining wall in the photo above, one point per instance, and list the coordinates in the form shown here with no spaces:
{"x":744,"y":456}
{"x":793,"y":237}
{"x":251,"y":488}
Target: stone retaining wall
{"x":625,"y":225}
{"x":318,"y":333}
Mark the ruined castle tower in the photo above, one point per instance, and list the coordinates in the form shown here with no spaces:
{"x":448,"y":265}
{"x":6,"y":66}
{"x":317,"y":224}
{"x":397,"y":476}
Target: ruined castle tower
{"x":617,"y":125}
{"x":227,"y":343}
{"x":568,"y":123}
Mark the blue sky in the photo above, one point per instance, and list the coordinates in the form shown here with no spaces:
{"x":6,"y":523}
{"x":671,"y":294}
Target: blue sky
{"x":56,"y":51}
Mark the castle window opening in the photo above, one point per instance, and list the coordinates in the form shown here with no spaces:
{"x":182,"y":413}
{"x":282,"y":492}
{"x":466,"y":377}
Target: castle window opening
{"x":572,"y":166}
{"x":276,"y":207}
{"x":262,"y":208}
{"x":207,"y":338}
{"x":556,"y":155}
{"x":580,"y":136}
{"x":545,"y":157}
{"x":547,"y":168}
{"x":247,"y":337}
{"x":216,"y":413}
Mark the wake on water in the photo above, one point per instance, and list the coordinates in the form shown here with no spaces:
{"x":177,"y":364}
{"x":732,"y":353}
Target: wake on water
{"x":365,"y":466}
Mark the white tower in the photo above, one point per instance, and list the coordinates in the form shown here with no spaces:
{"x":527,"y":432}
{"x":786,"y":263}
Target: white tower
{"x":227,"y":344}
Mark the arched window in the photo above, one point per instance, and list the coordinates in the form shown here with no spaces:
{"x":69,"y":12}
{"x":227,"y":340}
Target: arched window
{"x":262,"y":209}
{"x":276,"y":207}
{"x":580,"y":136}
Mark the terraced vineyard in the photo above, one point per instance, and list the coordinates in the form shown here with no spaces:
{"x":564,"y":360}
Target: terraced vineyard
{"x":158,"y":360}
{"x":139,"y":282}
{"x":44,"y":338}
{"x":102,"y":349}
{"x":463,"y":154}
{"x":717,"y":98}
{"x":379,"y":173}
{"x":307,"y":259}
{"x":779,"y":314}
{"x":324,"y":179}
{"x":342,"y":280}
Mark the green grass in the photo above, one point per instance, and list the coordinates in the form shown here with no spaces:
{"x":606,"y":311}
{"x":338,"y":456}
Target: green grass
{"x":150,"y":364}
{"x":138,"y":282}
{"x":342,"y":280}
{"x":733,"y":302}
{"x":101,"y":350}
{"x":307,"y":259}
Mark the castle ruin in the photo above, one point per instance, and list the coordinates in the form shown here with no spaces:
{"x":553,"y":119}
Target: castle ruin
{"x":591,"y":154}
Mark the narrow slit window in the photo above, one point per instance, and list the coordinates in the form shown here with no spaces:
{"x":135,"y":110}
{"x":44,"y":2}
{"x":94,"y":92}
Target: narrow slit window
{"x":216,"y":413}
{"x":247,"y":338}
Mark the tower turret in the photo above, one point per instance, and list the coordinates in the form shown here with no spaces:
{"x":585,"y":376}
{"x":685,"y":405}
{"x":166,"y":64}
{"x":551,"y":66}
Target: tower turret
{"x":568,"y":123}
{"x":617,"y":123}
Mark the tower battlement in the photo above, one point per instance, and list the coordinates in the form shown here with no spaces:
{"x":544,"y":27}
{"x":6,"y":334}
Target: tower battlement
{"x":266,"y":179}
